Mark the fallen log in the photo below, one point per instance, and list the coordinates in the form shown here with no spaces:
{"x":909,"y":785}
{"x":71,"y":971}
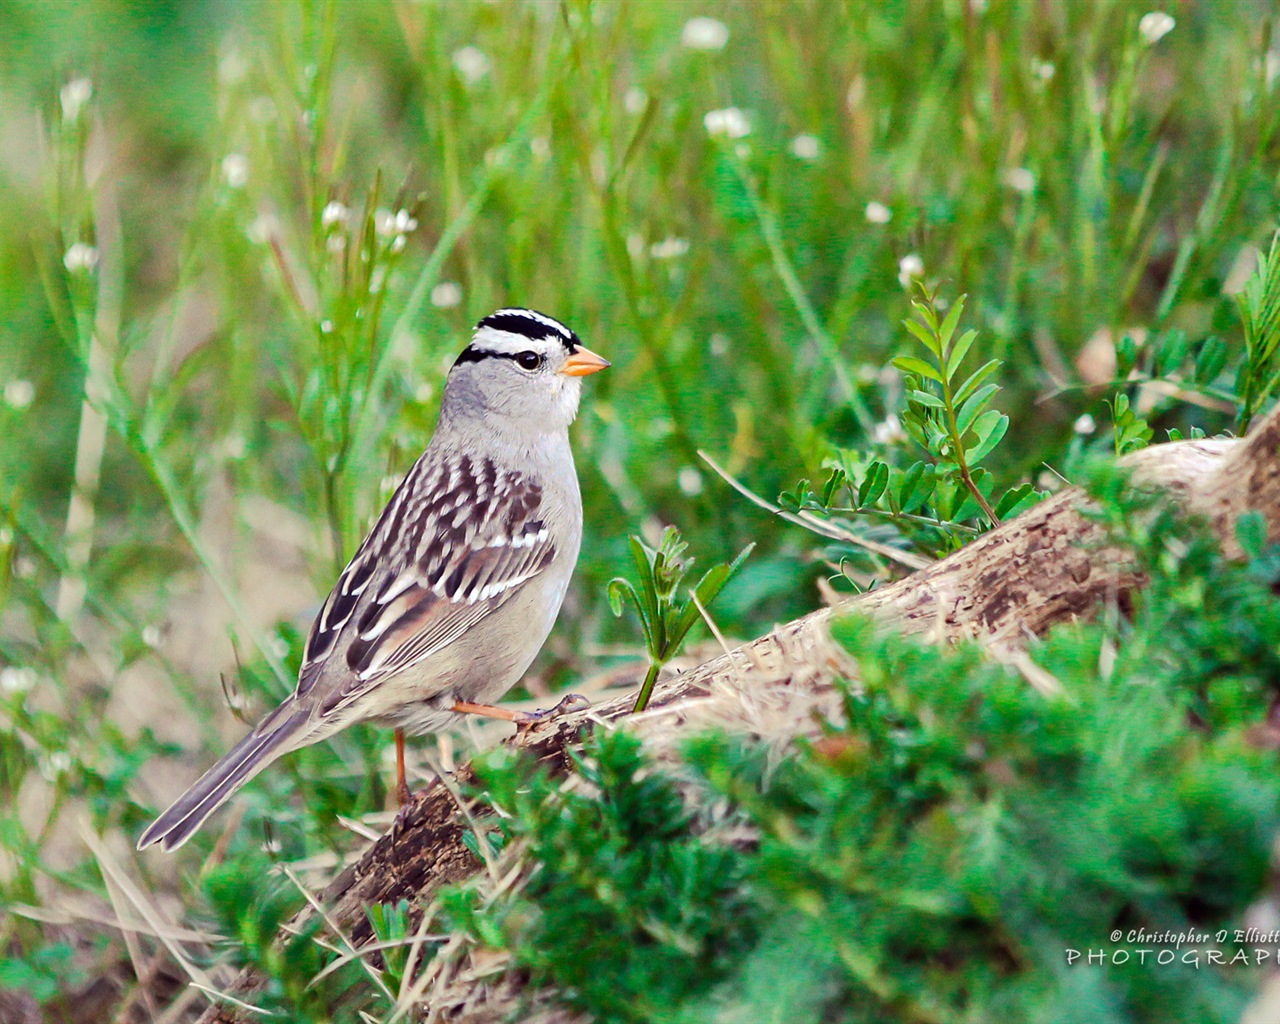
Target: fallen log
{"x":1048,"y":565}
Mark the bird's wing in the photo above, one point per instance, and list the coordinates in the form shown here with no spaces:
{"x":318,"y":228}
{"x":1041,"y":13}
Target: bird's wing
{"x":455,"y":542}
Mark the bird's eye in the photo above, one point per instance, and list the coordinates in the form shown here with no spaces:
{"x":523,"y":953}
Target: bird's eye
{"x":529,"y":360}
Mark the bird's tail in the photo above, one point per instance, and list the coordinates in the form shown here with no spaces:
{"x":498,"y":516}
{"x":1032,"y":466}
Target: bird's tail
{"x":269,"y":739}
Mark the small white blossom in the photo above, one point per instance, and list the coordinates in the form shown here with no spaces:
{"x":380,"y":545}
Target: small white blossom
{"x":910,"y":267}
{"x":888,"y":431}
{"x":719,"y":344}
{"x":73,"y":96}
{"x":55,"y":764}
{"x":877,"y":213}
{"x":635,"y":100}
{"x":326,"y":326}
{"x":277,"y":645}
{"x":1154,"y":26}
{"x":336,"y":242}
{"x":704,"y":34}
{"x":424,"y":392}
{"x":471,"y":64}
{"x":15,"y":679}
{"x":729,"y":123}
{"x":689,"y":481}
{"x":1042,"y":70}
{"x":669,"y":248}
{"x":404,"y":222}
{"x":398,"y":243}
{"x":446,"y":295}
{"x":235,"y":170}
{"x":1084,"y":424}
{"x":262,"y":228}
{"x":384,"y":222}
{"x":805,"y":147}
{"x":19,"y":394}
{"x":334,"y":215}
{"x":1020,"y":180}
{"x":152,"y":635}
{"x":234,"y":447}
{"x":81,"y":256}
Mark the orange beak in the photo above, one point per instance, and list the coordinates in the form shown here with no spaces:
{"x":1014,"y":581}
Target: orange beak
{"x":582,"y":362}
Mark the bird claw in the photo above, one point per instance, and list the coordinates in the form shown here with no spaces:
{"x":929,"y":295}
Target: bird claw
{"x":568,"y":704}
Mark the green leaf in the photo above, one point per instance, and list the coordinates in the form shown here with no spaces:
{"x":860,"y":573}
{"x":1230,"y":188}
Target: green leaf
{"x":1251,"y":532}
{"x":990,"y":428}
{"x":707,"y":589}
{"x":1210,"y":360}
{"x":959,"y":351}
{"x":834,"y":482}
{"x":918,"y":483}
{"x":949,"y":324}
{"x":922,"y":332}
{"x":1015,"y":500}
{"x":975,"y":378}
{"x":924,"y":398}
{"x":911,"y":364}
{"x":873,"y":484}
{"x":1172,"y":352}
{"x":975,"y":404}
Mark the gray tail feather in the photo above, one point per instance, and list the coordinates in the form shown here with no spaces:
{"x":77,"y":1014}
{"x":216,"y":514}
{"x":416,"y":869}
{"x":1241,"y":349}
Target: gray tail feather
{"x":248,"y":757}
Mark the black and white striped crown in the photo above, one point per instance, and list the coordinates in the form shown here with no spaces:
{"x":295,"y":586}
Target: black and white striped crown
{"x":529,"y":323}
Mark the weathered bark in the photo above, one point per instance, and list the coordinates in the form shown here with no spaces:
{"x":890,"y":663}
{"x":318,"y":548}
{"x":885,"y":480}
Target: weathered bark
{"x":1045,"y":566}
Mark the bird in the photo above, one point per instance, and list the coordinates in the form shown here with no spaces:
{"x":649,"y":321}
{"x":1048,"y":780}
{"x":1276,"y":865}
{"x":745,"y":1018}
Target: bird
{"x":451,"y":595}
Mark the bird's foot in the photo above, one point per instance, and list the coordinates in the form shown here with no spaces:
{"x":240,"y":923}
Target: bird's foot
{"x":570,"y":703}
{"x":525,"y":719}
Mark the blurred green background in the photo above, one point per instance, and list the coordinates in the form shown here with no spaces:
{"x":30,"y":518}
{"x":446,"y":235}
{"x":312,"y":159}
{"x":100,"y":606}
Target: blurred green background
{"x":240,"y":244}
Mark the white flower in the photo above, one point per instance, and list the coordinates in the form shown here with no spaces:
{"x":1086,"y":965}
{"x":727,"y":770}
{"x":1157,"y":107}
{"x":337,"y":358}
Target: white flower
{"x":404,"y":222}
{"x":235,"y":169}
{"x":729,"y":123}
{"x":719,"y":344}
{"x":73,"y":97}
{"x":334,"y":214}
{"x":1042,"y":70}
{"x":326,"y":326}
{"x":471,"y":64}
{"x":635,"y":100}
{"x":877,"y":213}
{"x":17,"y":680}
{"x":446,"y":295}
{"x":1084,"y":424}
{"x":910,"y":267}
{"x":262,"y":228}
{"x":19,"y":394}
{"x":55,"y":764}
{"x":152,"y":636}
{"x":806,"y":147}
{"x":81,"y":256}
{"x":1154,"y":26}
{"x":690,"y":481}
{"x":704,"y":34}
{"x":1020,"y":180}
{"x":425,"y":391}
{"x":398,"y":243}
{"x":888,"y":431}
{"x":669,"y":248}
{"x":384,"y":222}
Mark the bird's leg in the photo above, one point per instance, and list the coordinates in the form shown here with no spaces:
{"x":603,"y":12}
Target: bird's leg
{"x":402,"y":787}
{"x":524,"y":719}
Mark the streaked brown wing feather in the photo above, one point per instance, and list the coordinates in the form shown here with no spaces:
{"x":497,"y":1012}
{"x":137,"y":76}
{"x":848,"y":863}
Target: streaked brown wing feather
{"x":453,"y":544}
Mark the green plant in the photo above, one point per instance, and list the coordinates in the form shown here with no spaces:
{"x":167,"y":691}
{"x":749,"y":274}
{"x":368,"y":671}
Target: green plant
{"x":664,"y":617}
